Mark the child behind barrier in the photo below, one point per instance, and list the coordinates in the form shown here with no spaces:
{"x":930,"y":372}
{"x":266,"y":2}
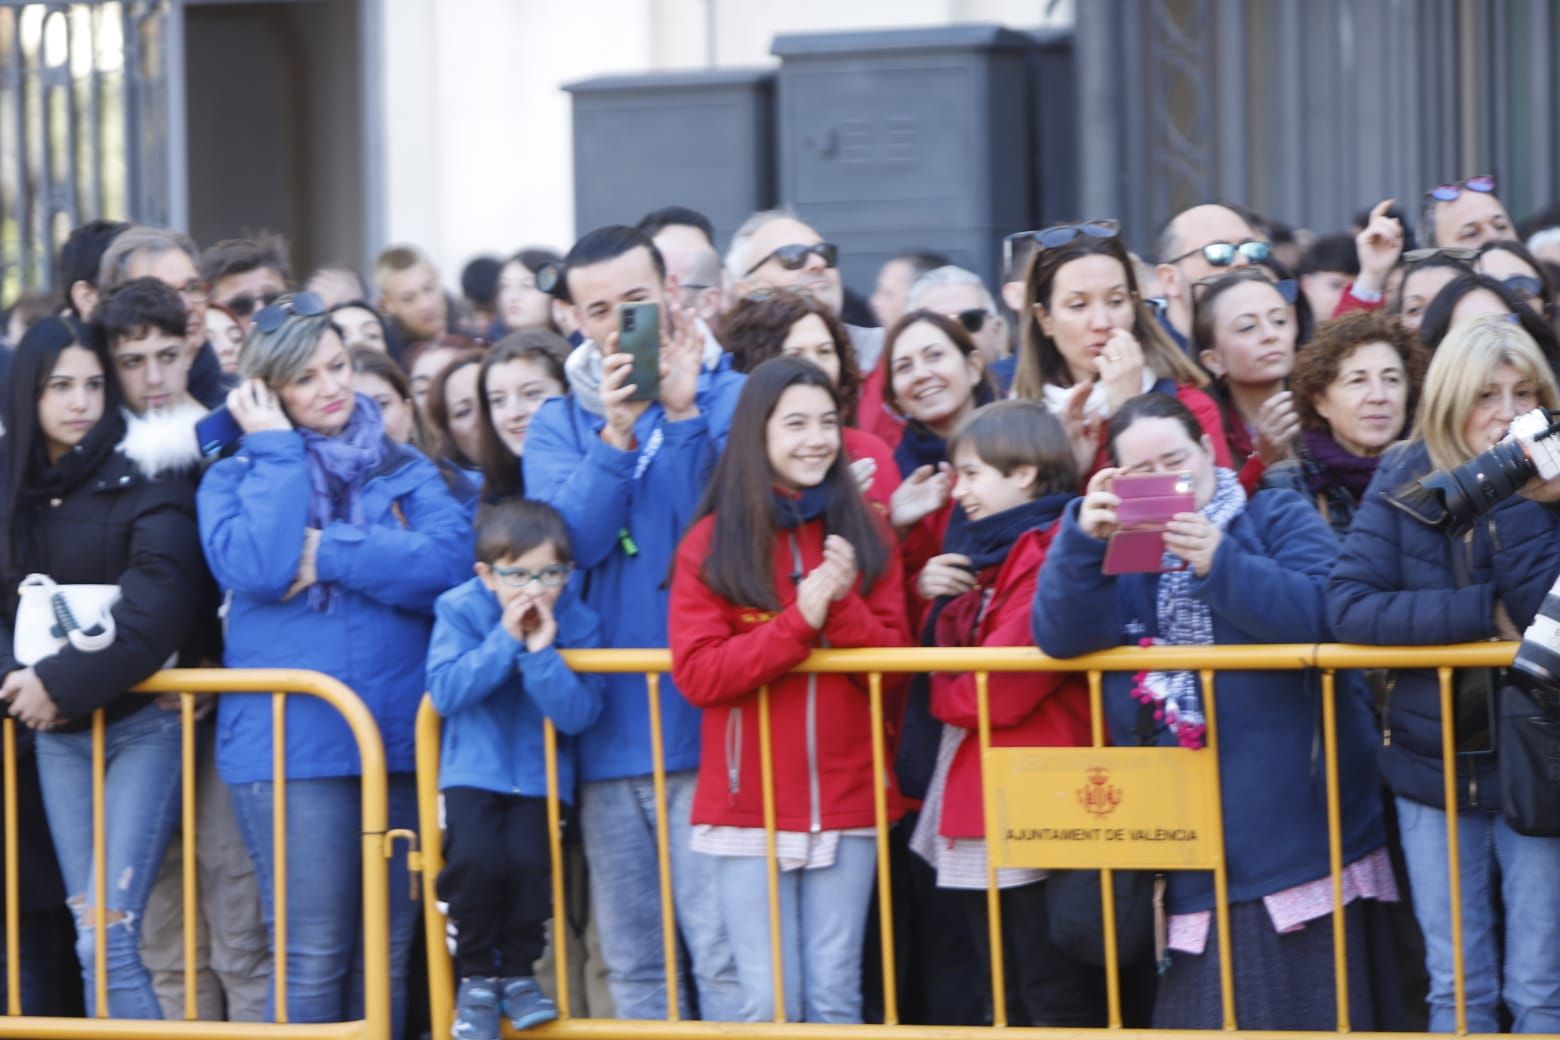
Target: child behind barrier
{"x":494,"y":673}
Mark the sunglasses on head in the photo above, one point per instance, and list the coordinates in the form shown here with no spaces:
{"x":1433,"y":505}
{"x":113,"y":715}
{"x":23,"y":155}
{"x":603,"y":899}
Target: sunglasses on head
{"x":973,"y":319}
{"x":1484,"y":184}
{"x":302,"y":305}
{"x":1223,"y":254}
{"x":1059,"y":235}
{"x":1525,"y":286}
{"x":793,"y":257}
{"x":1461,"y":254}
{"x":1288,"y":288}
{"x":243,"y":306}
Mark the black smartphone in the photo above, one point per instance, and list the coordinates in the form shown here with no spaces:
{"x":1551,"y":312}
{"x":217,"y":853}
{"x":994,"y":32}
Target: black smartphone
{"x":639,"y":335}
{"x":217,"y":431}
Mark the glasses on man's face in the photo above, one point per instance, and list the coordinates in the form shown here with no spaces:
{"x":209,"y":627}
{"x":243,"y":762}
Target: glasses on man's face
{"x":243,"y":305}
{"x":195,"y":291}
{"x":303,"y":305}
{"x":1059,"y":235}
{"x":1461,"y":254}
{"x":1484,"y":184}
{"x":793,"y":257}
{"x":973,"y":319}
{"x":550,"y":577}
{"x":1223,"y":254}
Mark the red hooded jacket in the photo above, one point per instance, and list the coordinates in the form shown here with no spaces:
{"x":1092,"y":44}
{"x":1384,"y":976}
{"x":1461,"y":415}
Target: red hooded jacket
{"x":722,"y":652}
{"x":1028,"y":709}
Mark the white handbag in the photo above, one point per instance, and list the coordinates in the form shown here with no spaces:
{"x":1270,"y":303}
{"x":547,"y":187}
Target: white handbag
{"x":49,"y":615}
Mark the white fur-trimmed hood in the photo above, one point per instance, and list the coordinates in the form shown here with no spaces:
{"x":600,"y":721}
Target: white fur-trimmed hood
{"x":163,"y":441}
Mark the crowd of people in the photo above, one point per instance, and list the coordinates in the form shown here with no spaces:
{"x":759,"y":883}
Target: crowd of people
{"x":415,"y":491}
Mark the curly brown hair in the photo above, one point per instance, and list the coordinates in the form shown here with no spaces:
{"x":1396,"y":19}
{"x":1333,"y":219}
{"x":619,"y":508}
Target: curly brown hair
{"x":755,"y":328}
{"x":1317,"y":363}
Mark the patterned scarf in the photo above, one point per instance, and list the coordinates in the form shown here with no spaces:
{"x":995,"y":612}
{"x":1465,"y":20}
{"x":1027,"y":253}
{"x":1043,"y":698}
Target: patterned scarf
{"x":1185,"y":620}
{"x":338,"y":468}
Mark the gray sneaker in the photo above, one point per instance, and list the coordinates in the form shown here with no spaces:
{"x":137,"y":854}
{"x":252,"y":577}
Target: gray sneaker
{"x":476,"y":1009}
{"x":525,"y":1005}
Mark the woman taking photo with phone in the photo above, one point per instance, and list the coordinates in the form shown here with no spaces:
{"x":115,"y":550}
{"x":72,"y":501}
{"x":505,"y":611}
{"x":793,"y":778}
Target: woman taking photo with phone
{"x":1234,"y":571}
{"x":786,"y":557}
{"x":82,"y":510}
{"x":1400,"y":581}
{"x":332,"y":542}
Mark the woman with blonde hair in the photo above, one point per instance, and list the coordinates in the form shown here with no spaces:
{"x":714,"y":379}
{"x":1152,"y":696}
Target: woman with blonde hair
{"x":1401,"y":581}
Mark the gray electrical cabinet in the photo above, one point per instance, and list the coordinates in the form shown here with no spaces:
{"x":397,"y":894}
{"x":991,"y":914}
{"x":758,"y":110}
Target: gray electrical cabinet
{"x":699,"y":139}
{"x":915,"y":138}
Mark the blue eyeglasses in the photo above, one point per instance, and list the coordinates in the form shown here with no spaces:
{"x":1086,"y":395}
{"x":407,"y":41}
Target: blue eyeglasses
{"x":550,"y":577}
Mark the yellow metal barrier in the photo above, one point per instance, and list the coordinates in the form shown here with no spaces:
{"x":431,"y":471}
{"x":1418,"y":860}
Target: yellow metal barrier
{"x":187,"y":683}
{"x":1202,"y":660}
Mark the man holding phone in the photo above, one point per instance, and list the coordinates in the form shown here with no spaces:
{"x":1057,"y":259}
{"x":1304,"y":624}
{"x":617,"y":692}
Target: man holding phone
{"x":626,"y":467}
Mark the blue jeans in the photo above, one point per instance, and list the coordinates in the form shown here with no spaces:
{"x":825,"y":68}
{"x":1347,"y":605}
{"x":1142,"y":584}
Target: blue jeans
{"x":1527,"y":973}
{"x":141,"y":803}
{"x":617,"y":824}
{"x":325,"y":892}
{"x":823,"y":919}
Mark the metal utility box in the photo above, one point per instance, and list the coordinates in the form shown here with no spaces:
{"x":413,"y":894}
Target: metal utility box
{"x":699,"y":139}
{"x":915,"y":138}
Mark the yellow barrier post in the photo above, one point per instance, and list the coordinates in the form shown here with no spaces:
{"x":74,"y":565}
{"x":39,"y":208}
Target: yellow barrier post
{"x":99,"y":866}
{"x":1453,"y":846}
{"x":13,"y":899}
{"x":1335,"y":847}
{"x":1221,"y":880}
{"x":187,"y":801}
{"x":441,"y":973}
{"x":1107,"y":876}
{"x":662,"y":847}
{"x":993,"y":895}
{"x":766,"y":769}
{"x":885,"y":882}
{"x":279,"y":850}
{"x":560,"y":922}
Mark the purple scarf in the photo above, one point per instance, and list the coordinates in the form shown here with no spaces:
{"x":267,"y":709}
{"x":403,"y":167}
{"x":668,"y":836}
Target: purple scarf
{"x":338,"y":468}
{"x":1336,"y":466}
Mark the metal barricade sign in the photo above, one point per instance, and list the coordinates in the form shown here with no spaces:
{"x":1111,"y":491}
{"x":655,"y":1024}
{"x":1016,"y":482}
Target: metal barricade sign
{"x":1150,"y":808}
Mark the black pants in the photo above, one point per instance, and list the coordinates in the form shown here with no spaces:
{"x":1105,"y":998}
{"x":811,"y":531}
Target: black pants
{"x":497,"y":880}
{"x":1045,"y":987}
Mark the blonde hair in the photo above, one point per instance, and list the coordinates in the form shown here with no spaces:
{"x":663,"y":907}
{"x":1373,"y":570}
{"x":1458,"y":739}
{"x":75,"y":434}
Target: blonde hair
{"x":395,"y":260}
{"x":1460,"y":370}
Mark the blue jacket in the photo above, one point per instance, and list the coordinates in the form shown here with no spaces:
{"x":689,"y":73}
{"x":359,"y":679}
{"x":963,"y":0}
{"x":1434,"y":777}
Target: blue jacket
{"x":1266,"y":586}
{"x":1395,"y":585}
{"x":626,"y":511}
{"x":494,"y":694}
{"x":415,"y":543}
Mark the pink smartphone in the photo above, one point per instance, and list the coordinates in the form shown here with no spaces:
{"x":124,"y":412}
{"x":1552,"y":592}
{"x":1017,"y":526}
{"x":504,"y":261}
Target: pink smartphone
{"x":1147,"y":504}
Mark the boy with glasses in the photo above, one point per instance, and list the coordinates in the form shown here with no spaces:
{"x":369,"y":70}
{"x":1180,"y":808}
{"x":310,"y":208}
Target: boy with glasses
{"x":495,"y":674}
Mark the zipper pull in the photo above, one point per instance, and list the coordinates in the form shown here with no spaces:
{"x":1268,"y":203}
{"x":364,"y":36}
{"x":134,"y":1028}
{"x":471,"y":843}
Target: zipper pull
{"x":626,"y":541}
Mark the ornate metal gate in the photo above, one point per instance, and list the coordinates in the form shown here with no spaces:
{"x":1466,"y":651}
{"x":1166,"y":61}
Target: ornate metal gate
{"x":84,"y":125}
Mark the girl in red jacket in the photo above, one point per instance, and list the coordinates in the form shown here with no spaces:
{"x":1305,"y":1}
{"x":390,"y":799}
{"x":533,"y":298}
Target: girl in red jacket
{"x":786,"y":557}
{"x":1014,"y":474}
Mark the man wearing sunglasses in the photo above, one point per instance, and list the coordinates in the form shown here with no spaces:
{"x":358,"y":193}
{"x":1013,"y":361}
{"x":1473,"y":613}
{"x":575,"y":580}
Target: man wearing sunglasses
{"x":686,"y":239}
{"x":246,"y":274}
{"x":774,"y":250}
{"x":1195,"y":245}
{"x":1465,"y":213}
{"x":964,"y":298}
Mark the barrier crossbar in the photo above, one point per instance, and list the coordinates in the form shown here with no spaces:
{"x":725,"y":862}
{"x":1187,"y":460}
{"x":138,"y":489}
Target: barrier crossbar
{"x":875,"y":664}
{"x":278,"y":683}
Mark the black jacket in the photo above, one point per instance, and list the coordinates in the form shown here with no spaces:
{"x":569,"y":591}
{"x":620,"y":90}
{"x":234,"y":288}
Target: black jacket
{"x":97,"y":518}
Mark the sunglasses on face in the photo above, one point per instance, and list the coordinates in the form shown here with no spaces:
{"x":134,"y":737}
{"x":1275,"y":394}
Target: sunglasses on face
{"x":793,"y":257}
{"x":1060,"y":234}
{"x":1461,"y":254}
{"x":973,"y":319}
{"x":302,"y":305}
{"x":549,"y":577}
{"x":1525,"y":286}
{"x":1484,"y":184}
{"x":243,"y":306}
{"x":1223,"y":254}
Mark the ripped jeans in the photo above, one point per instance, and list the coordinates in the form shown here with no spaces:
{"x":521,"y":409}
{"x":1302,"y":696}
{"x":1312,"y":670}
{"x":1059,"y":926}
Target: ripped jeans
{"x":141,"y":803}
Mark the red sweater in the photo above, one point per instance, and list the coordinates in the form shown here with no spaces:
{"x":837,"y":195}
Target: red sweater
{"x":873,"y":415}
{"x":859,"y":444}
{"x":722,"y":652}
{"x":1028,"y":709}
